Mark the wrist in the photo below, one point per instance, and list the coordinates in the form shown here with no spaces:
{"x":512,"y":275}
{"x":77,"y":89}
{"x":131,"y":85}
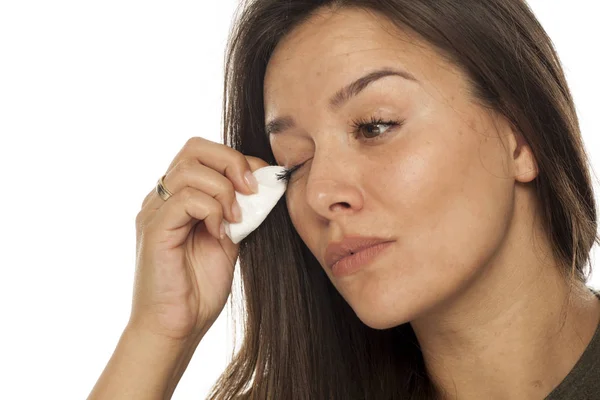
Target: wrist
{"x":159,"y":342}
{"x":144,"y":365}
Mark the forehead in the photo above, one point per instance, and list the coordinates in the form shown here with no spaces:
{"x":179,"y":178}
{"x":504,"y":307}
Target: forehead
{"x":332,"y":48}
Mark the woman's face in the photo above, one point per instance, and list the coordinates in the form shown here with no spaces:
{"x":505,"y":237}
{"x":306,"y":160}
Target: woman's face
{"x":439,"y":183}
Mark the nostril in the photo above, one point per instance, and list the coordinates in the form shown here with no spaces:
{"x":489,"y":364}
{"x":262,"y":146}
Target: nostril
{"x":342,"y":204}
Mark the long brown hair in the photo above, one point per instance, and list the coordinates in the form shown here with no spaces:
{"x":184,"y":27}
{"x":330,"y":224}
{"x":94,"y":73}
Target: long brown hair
{"x":301,"y":339}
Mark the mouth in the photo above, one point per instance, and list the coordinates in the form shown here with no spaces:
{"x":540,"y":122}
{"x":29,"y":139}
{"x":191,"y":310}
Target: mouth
{"x":357,"y":260}
{"x":349,"y":246}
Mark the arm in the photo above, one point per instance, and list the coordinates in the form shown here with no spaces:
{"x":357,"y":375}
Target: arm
{"x":143,"y":366}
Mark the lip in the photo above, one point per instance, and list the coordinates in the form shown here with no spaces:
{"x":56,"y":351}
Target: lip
{"x":335,"y":251}
{"x":350,"y":264}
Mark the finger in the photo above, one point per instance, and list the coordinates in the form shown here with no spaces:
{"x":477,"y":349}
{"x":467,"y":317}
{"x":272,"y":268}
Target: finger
{"x":173,"y":221}
{"x":190,"y":173}
{"x":223,"y":159}
{"x":256,"y":163}
{"x":149,"y":197}
{"x":193,"y":143}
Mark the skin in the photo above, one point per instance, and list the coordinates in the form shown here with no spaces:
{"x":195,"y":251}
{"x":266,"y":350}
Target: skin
{"x":469,"y":268}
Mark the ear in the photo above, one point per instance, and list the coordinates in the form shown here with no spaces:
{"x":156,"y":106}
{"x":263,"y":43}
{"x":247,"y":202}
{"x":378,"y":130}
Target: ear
{"x":524,"y":163}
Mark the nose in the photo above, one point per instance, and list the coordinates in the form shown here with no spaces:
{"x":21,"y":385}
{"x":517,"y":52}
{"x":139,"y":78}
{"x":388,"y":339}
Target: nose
{"x":333,"y":186}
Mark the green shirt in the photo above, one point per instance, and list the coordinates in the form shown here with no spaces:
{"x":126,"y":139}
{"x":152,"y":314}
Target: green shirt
{"x":583,"y":381}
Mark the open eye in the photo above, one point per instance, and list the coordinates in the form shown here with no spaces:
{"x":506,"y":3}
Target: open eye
{"x":373,"y":134}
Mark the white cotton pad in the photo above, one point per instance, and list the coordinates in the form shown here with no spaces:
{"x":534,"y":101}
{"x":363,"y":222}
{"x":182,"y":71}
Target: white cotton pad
{"x":257,"y":206}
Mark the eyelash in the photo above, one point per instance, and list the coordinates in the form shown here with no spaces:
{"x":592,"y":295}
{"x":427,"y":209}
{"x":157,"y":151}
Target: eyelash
{"x":357,"y":125}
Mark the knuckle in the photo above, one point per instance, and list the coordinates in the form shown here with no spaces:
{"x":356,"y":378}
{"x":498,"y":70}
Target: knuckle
{"x":226,"y":191}
{"x":140,"y":221}
{"x":147,"y":198}
{"x":200,"y":205}
{"x":193,"y":142}
{"x":240,"y":161}
{"x":215,"y":211}
{"x":187,"y":194}
{"x":186,"y":166}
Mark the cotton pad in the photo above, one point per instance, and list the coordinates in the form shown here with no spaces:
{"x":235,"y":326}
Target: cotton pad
{"x":257,"y":206}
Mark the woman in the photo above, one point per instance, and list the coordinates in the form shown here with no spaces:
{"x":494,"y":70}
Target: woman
{"x":443,"y":133}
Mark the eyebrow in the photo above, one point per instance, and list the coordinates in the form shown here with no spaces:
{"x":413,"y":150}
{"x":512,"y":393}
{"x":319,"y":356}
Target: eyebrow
{"x":280,"y":124}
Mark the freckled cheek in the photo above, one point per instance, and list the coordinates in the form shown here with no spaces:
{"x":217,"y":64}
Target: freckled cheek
{"x":424,"y":176}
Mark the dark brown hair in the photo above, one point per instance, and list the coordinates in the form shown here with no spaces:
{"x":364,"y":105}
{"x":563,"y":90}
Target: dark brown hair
{"x":301,"y":339}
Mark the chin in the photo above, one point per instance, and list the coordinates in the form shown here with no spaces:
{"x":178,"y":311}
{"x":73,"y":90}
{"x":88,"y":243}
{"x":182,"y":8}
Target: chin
{"x":381,"y":325}
{"x":380,"y":321}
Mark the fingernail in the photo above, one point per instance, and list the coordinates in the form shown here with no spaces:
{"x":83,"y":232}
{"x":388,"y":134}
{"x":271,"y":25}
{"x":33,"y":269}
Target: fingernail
{"x":237,"y":211}
{"x":222,"y":230}
{"x":251,"y":181}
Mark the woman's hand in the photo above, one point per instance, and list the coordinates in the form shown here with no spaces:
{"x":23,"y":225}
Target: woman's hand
{"x":184,"y":270}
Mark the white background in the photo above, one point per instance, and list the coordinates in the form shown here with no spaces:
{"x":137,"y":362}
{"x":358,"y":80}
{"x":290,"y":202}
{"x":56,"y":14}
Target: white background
{"x":96,"y":98}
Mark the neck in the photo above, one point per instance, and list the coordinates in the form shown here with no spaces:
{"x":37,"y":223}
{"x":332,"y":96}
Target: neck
{"x":515,"y":332}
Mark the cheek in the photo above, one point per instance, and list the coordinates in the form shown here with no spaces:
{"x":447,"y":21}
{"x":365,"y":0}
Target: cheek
{"x":453,"y":206}
{"x":291,"y":207}
{"x":450,"y":212}
{"x":302,"y":218}
{"x":292,"y":201}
